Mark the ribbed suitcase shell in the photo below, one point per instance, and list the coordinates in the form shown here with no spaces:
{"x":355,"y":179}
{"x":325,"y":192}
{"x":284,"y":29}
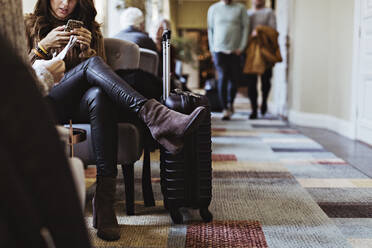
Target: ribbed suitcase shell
{"x":186,"y":177}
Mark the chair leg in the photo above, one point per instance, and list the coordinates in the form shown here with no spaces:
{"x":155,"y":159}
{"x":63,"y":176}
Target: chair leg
{"x":148,"y":195}
{"x":128,"y":174}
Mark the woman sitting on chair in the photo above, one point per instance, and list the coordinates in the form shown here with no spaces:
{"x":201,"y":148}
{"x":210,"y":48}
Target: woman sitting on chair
{"x":89,"y":78}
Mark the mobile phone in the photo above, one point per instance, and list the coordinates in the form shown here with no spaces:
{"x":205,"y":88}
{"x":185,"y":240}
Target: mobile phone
{"x":71,"y":24}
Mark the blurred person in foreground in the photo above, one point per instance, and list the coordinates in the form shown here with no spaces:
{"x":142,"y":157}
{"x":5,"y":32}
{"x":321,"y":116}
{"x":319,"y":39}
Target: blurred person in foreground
{"x":39,"y":205}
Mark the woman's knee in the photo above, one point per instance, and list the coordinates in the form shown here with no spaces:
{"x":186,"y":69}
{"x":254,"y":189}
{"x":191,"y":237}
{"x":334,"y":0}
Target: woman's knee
{"x":95,"y":60}
{"x":93,"y":93}
{"x":96,"y":99}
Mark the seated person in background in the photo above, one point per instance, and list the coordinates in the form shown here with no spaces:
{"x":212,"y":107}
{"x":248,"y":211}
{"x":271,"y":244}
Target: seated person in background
{"x":177,"y":81}
{"x":86,"y":72}
{"x":39,"y":205}
{"x":133,"y":25}
{"x":156,"y":35}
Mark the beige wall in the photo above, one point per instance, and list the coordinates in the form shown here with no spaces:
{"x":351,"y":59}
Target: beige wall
{"x":321,"y":57}
{"x":193,"y":13}
{"x":28,"y":5}
{"x":340,"y":74}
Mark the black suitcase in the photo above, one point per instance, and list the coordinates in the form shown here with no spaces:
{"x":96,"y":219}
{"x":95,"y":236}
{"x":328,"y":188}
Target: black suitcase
{"x":186,"y":177}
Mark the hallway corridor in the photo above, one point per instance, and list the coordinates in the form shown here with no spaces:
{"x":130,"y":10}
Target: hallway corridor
{"x":302,"y":194}
{"x":272,"y":187}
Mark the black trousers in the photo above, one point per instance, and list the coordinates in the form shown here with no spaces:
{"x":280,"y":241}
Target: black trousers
{"x":229,"y":70}
{"x":265,"y":87}
{"x":93,"y":93}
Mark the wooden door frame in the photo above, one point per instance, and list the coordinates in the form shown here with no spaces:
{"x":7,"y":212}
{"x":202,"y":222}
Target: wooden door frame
{"x":279,"y":94}
{"x":273,"y":4}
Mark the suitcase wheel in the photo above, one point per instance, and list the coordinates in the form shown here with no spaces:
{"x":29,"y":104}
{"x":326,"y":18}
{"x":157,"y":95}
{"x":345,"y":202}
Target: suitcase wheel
{"x":206,"y":215}
{"x":176,"y":216}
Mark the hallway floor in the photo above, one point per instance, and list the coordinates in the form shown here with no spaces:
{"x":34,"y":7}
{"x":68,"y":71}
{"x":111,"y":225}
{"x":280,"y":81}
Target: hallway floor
{"x":357,"y":154}
{"x":272,"y":187}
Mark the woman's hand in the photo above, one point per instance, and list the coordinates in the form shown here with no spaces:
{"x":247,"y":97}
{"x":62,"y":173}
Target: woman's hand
{"x":56,"y":67}
{"x":84,"y":37}
{"x":237,"y":52}
{"x":56,"y":38}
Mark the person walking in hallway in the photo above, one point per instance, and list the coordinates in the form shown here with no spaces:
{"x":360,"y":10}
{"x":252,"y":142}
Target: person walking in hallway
{"x":228,"y":27}
{"x":260,"y":16}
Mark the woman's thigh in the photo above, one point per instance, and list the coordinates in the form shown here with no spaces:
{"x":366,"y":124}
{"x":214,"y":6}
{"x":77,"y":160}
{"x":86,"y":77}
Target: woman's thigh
{"x":147,"y":84}
{"x":65,"y":100}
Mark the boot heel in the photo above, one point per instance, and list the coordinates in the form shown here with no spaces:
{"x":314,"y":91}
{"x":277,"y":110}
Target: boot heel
{"x":104,"y":217}
{"x":94,"y":215}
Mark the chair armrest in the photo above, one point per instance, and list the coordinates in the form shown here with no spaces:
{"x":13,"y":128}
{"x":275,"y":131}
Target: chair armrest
{"x":76,"y":166}
{"x":77,"y":169}
{"x":149,"y":61}
{"x":121,"y":54}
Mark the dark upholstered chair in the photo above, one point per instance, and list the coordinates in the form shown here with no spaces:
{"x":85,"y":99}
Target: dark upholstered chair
{"x":123,"y":55}
{"x":149,"y":61}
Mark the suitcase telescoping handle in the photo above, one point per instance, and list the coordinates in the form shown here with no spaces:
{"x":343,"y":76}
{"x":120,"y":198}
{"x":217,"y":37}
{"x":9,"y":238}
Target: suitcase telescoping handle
{"x":166,"y":63}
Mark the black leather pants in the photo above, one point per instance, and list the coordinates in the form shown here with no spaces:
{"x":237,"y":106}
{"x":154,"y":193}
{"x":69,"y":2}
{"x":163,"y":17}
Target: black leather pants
{"x":96,"y":108}
{"x":92,"y":92}
{"x":228,"y":69}
{"x":95,"y":72}
{"x":101,"y":112}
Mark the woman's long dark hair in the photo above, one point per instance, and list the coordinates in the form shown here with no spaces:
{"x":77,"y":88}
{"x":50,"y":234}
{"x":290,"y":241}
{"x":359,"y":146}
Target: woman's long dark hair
{"x":84,"y":11}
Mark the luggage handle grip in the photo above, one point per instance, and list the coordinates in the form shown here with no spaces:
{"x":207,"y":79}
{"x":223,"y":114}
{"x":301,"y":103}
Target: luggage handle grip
{"x":166,"y":35}
{"x":166,"y":63}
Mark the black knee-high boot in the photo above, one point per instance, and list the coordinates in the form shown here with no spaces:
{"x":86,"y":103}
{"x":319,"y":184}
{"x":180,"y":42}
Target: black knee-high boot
{"x":104,"y":218}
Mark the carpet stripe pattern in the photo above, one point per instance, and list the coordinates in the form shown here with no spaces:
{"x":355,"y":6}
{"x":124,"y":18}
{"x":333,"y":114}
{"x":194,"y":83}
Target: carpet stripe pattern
{"x":221,"y":234}
{"x":272,"y":187}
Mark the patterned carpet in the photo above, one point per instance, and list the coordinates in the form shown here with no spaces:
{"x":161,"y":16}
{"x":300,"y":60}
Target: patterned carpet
{"x":272,"y":187}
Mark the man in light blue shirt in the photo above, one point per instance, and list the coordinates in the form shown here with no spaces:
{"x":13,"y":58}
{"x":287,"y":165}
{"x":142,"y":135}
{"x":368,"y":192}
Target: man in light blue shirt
{"x":228,"y":28}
